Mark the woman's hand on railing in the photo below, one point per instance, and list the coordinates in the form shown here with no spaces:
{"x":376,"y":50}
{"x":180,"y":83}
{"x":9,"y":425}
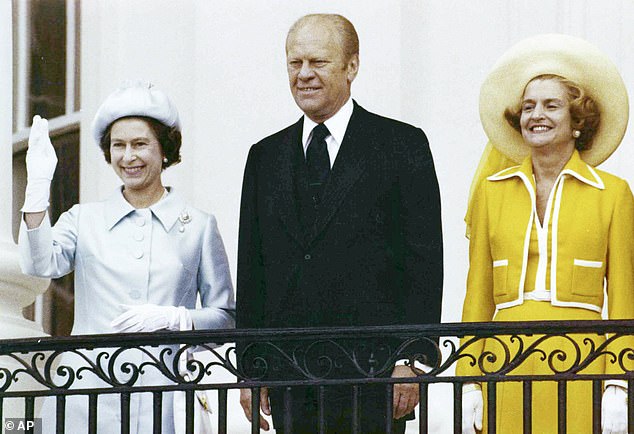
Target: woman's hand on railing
{"x":471,"y":408}
{"x":614,"y":410}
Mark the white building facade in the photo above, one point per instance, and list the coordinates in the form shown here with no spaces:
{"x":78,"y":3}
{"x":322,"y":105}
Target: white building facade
{"x":223,"y":64}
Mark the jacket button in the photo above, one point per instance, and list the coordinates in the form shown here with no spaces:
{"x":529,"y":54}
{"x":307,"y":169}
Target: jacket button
{"x":135,"y":295}
{"x":138,"y":236}
{"x":307,"y":257}
{"x":140,"y":221}
{"x":138,"y":254}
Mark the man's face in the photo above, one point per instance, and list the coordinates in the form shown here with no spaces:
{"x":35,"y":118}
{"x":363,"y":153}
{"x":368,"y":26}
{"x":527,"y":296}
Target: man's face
{"x":318,"y":73}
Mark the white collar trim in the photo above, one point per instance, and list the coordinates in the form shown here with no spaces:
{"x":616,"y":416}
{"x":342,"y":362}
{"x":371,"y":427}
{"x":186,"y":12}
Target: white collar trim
{"x":337,"y":124}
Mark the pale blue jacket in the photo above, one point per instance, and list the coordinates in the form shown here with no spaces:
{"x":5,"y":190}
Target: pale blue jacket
{"x":167,"y":254}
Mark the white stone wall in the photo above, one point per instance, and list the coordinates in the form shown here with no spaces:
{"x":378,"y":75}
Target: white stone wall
{"x":422,"y":62}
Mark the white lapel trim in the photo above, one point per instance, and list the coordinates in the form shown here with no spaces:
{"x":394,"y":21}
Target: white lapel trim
{"x":597,"y":182}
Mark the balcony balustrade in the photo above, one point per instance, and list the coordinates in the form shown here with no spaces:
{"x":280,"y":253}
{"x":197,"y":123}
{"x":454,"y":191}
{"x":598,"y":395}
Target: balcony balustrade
{"x":128,"y":364}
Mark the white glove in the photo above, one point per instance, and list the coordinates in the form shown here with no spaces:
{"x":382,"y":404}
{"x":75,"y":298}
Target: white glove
{"x":614,"y":410}
{"x":40,"y":167}
{"x":150,"y":317}
{"x":471,"y":408}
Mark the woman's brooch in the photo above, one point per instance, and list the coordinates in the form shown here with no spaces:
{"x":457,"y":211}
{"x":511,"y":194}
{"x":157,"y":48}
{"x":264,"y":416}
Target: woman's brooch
{"x":184,"y":218}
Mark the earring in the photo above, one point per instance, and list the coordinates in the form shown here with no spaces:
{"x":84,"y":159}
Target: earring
{"x":165,"y":160}
{"x":576,"y":134}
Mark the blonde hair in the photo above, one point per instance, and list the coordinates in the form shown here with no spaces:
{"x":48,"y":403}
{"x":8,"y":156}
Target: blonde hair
{"x":345,"y":30}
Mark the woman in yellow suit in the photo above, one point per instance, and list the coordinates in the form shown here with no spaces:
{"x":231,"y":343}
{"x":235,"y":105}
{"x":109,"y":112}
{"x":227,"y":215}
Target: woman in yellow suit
{"x":545,"y":235}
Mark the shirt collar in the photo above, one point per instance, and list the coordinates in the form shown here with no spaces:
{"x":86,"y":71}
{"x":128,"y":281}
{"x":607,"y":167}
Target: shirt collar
{"x":583,"y":171}
{"x":167,"y":210}
{"x":575,"y":167}
{"x":337,"y":124}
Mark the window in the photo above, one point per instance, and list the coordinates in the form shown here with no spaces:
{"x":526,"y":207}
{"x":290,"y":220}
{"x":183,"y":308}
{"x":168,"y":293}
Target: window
{"x":46,"y":82}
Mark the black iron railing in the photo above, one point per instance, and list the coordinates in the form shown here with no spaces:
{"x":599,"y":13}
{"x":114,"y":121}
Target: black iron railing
{"x":128,"y":364}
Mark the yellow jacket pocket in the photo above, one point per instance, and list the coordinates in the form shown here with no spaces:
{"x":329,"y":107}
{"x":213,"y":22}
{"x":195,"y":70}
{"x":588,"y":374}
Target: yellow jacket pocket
{"x":587,"y":277}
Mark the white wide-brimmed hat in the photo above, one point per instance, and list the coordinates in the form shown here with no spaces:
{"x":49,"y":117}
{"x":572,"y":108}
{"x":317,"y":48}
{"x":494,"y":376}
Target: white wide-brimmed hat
{"x":566,"y":56}
{"x":134,"y":98}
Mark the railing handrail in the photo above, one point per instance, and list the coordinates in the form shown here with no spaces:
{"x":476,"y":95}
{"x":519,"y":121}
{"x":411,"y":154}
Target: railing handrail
{"x":195,"y":337}
{"x":325,"y":359}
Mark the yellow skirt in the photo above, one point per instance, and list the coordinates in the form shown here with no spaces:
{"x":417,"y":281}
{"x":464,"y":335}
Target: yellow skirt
{"x":562,"y":353}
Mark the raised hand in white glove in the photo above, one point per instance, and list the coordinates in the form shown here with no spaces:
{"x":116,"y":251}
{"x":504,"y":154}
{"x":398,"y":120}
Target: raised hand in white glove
{"x":151,"y":317}
{"x":614,"y":410}
{"x":471,"y":408}
{"x":40,"y":167}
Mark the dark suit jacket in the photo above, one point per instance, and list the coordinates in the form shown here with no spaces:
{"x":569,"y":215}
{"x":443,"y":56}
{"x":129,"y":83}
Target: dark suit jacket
{"x":374,"y":255}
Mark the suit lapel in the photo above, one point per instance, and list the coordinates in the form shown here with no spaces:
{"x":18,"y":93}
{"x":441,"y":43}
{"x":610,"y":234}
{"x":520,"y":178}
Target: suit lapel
{"x":349,"y":165}
{"x":288,"y":159}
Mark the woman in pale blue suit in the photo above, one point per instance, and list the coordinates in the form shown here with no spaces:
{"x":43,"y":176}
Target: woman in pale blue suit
{"x":141,"y":258}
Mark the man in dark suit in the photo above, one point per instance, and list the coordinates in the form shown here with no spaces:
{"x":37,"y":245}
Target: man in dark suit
{"x":339,"y":226}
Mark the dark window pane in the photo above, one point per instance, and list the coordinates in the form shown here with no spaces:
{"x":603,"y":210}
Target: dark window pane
{"x":64,"y":194}
{"x":48,"y":58}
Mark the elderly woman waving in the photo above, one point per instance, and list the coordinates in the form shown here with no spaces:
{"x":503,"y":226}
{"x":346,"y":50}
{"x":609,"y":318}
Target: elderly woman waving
{"x":547,"y":235}
{"x":141,"y":258}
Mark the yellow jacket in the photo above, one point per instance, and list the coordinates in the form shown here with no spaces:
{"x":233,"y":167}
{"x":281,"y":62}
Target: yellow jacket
{"x":592,"y":241}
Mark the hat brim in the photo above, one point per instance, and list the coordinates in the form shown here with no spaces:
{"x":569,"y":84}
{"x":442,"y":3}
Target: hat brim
{"x":566,"y":56}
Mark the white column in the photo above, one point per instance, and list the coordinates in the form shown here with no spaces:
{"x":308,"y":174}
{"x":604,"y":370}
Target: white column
{"x":16,"y":289}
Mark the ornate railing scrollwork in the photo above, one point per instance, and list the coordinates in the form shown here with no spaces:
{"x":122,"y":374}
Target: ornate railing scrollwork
{"x":497,"y":350}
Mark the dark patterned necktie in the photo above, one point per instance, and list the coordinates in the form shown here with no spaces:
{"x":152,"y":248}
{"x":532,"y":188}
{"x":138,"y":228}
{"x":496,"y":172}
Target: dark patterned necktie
{"x":317,"y":160}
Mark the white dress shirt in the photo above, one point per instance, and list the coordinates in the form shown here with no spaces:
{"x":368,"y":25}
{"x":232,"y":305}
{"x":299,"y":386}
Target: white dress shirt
{"x":336,"y":125}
